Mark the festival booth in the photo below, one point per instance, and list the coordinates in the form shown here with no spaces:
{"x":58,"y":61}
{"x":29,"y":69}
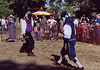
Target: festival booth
{"x":41,"y":12}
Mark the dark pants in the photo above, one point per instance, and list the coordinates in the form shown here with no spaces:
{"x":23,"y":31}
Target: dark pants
{"x":97,"y":36}
{"x":47,"y":36}
{"x":29,"y":45}
{"x":92,"y":36}
{"x":84,"y":37}
{"x":69,"y":49}
{"x":54,"y":32}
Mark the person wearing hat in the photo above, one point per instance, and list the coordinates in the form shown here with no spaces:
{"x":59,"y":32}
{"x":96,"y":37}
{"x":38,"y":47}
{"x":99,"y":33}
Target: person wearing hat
{"x":69,"y":41}
{"x":26,"y":29}
{"x":12,"y":27}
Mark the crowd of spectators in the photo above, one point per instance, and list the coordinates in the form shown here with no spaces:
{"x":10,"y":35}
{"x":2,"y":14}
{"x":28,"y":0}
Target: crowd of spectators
{"x":87,"y":30}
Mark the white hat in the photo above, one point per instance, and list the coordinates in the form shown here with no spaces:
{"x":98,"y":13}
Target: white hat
{"x":11,"y":16}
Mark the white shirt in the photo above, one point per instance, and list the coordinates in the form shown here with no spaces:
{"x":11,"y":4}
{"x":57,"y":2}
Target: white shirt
{"x":51,"y":21}
{"x":67,"y":31}
{"x":3,"y":22}
{"x":33,"y":21}
{"x":76,"y":22}
{"x":23,"y":26}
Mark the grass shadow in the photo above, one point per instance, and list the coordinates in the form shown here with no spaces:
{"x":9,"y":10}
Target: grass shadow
{"x":64,"y":62}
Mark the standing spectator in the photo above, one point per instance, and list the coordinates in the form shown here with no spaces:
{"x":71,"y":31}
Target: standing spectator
{"x":79,"y":33}
{"x":84,"y":28}
{"x":96,"y":28}
{"x":39,"y":34}
{"x":47,"y":31}
{"x":0,"y":23}
{"x":4,"y":26}
{"x":22,"y":26}
{"x":42,"y":24}
{"x":84,"y":19}
{"x":61,"y":25}
{"x":17,"y":20}
{"x":34,"y":25}
{"x":52,"y":24}
{"x":12,"y":27}
{"x":35,"y":31}
{"x":97,"y":33}
{"x":98,"y":18}
{"x":91,"y":34}
{"x":58,"y":24}
{"x":76,"y":22}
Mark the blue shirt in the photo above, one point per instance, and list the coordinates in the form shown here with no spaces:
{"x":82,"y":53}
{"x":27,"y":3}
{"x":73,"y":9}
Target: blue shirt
{"x":97,"y":21}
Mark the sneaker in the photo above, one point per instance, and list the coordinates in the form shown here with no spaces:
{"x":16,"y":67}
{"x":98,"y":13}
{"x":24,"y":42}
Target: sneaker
{"x":77,"y":68}
{"x":56,"y":63}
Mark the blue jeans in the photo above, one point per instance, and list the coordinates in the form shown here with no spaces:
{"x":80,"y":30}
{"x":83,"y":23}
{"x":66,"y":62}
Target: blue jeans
{"x":36,"y":35}
{"x":3,"y":29}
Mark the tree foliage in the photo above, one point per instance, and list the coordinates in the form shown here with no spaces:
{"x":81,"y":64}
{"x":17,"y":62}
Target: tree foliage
{"x":22,"y":6}
{"x":87,"y":7}
{"x":75,"y":7}
{"x":4,"y":8}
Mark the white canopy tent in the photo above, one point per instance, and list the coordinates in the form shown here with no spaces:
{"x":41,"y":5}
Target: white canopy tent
{"x":41,"y":12}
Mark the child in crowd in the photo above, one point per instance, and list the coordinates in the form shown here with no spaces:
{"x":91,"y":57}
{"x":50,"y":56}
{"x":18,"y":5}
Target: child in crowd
{"x":47,"y":31}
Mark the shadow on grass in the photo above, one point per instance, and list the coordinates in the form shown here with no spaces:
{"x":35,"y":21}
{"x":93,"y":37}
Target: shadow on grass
{"x":10,"y":65}
{"x":64,"y":62}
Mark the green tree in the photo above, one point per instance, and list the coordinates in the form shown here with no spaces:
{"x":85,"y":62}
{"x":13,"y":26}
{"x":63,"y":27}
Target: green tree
{"x":87,"y":7}
{"x":22,"y":6}
{"x":4,"y":8}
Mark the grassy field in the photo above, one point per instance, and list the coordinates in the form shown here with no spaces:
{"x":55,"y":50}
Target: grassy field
{"x":11,"y":59}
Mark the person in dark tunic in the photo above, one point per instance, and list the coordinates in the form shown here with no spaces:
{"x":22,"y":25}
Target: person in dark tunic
{"x":69,"y":42}
{"x":26,"y":32}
